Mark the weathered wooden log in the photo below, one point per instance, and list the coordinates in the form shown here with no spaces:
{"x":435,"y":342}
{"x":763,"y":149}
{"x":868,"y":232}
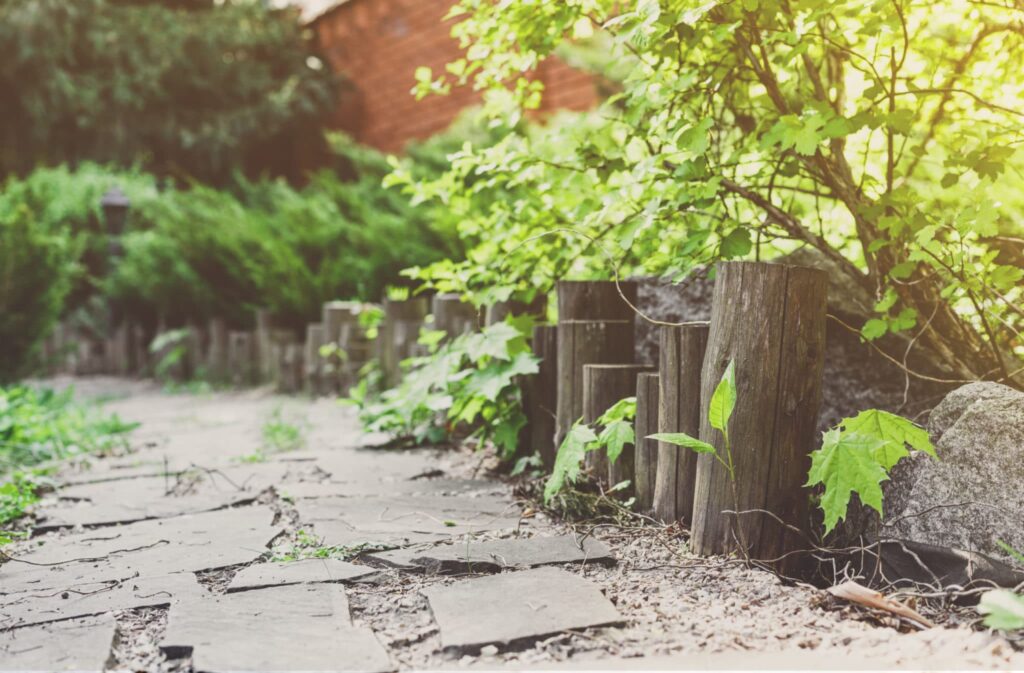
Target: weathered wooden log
{"x":603,"y":386}
{"x":217,"y":350}
{"x":193,"y":355}
{"x":769,"y":319}
{"x":241,"y":358}
{"x":453,"y":316}
{"x":312,"y":361}
{"x":583,"y":342}
{"x":335,"y":316}
{"x":498,"y":311}
{"x":264,"y":344}
{"x":358,"y":348}
{"x":680,"y":361}
{"x":399,"y":334}
{"x":595,"y":300}
{"x":290,"y":367}
{"x":140,"y":356}
{"x":646,"y":467}
{"x":540,"y":395}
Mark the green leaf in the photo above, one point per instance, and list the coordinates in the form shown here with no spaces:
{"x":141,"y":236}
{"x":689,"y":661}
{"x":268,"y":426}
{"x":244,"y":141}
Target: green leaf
{"x":723,"y":400}
{"x":615,"y":436}
{"x":623,"y":410}
{"x":874,"y":329}
{"x":894,"y":431}
{"x":569,"y":459}
{"x":736,"y":244}
{"x":1003,"y":609}
{"x":684,"y":440}
{"x":846,"y":464}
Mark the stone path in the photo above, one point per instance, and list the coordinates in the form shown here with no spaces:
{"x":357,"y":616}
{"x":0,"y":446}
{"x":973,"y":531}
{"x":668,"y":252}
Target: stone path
{"x":200,"y":551}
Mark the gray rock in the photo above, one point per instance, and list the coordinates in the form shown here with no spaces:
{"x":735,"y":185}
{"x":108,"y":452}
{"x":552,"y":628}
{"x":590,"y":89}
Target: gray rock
{"x":970,"y":498}
{"x":495,"y":555}
{"x":79,"y":645}
{"x":305,"y":571}
{"x":290,"y":628}
{"x":513,"y":608}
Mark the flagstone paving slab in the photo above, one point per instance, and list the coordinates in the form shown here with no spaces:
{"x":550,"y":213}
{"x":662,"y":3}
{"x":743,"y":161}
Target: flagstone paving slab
{"x":495,"y":555}
{"x":79,"y":645}
{"x":155,"y":497}
{"x":305,"y":571}
{"x":25,"y":609}
{"x":439,"y":486}
{"x":288,"y":628}
{"x":400,"y":520}
{"x":513,"y":608}
{"x":148,"y":548}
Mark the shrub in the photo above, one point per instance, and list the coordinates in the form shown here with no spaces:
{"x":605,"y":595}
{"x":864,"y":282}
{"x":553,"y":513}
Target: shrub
{"x":34,"y":280}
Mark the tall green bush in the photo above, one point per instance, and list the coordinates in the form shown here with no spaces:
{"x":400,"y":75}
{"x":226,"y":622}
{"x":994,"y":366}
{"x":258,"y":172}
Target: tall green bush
{"x":34,"y":279}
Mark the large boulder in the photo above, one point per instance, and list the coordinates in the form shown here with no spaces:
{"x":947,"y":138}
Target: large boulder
{"x":973,"y":496}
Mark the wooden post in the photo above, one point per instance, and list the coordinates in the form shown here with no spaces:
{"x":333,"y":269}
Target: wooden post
{"x":217,"y":350}
{"x":193,"y":359}
{"x":647,"y":394}
{"x":311,"y":358}
{"x":595,"y":300}
{"x":583,"y":342}
{"x":593,"y":320}
{"x":453,"y":316}
{"x":769,"y":319}
{"x":263,"y":343}
{"x":291,"y":367}
{"x":359,"y":349}
{"x":241,"y":357}
{"x":498,"y":311}
{"x":681,"y":358}
{"x":336,"y":317}
{"x":603,"y":386}
{"x":399,"y":333}
{"x":540,"y":395}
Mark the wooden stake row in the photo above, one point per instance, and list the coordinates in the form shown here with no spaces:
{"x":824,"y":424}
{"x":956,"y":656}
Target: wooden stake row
{"x":767,"y":319}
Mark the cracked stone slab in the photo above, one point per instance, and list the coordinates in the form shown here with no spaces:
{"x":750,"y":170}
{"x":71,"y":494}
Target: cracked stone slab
{"x":26,"y":609}
{"x":305,"y":571}
{"x":495,"y":555}
{"x":514,"y":608}
{"x":441,"y":486}
{"x":145,"y":549}
{"x":79,"y":645}
{"x":355,"y":466}
{"x":288,"y":628}
{"x":401,"y":520}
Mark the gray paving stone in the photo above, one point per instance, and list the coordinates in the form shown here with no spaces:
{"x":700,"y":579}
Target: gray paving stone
{"x":289,"y":628}
{"x":144,"y":549}
{"x":495,"y":555}
{"x":305,"y":571}
{"x":401,"y":520}
{"x":79,"y":645}
{"x":513,"y":608}
{"x":25,"y":609}
{"x":442,"y":486}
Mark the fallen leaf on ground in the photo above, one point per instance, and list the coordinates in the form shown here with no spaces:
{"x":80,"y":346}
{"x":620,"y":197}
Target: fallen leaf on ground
{"x":857,"y":593}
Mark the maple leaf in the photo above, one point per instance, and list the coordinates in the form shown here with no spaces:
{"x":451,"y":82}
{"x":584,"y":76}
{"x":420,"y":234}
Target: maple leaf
{"x":845,"y":463}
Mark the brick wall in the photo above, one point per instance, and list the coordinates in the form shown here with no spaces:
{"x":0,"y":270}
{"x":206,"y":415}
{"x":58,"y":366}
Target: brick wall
{"x":378,"y":44}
